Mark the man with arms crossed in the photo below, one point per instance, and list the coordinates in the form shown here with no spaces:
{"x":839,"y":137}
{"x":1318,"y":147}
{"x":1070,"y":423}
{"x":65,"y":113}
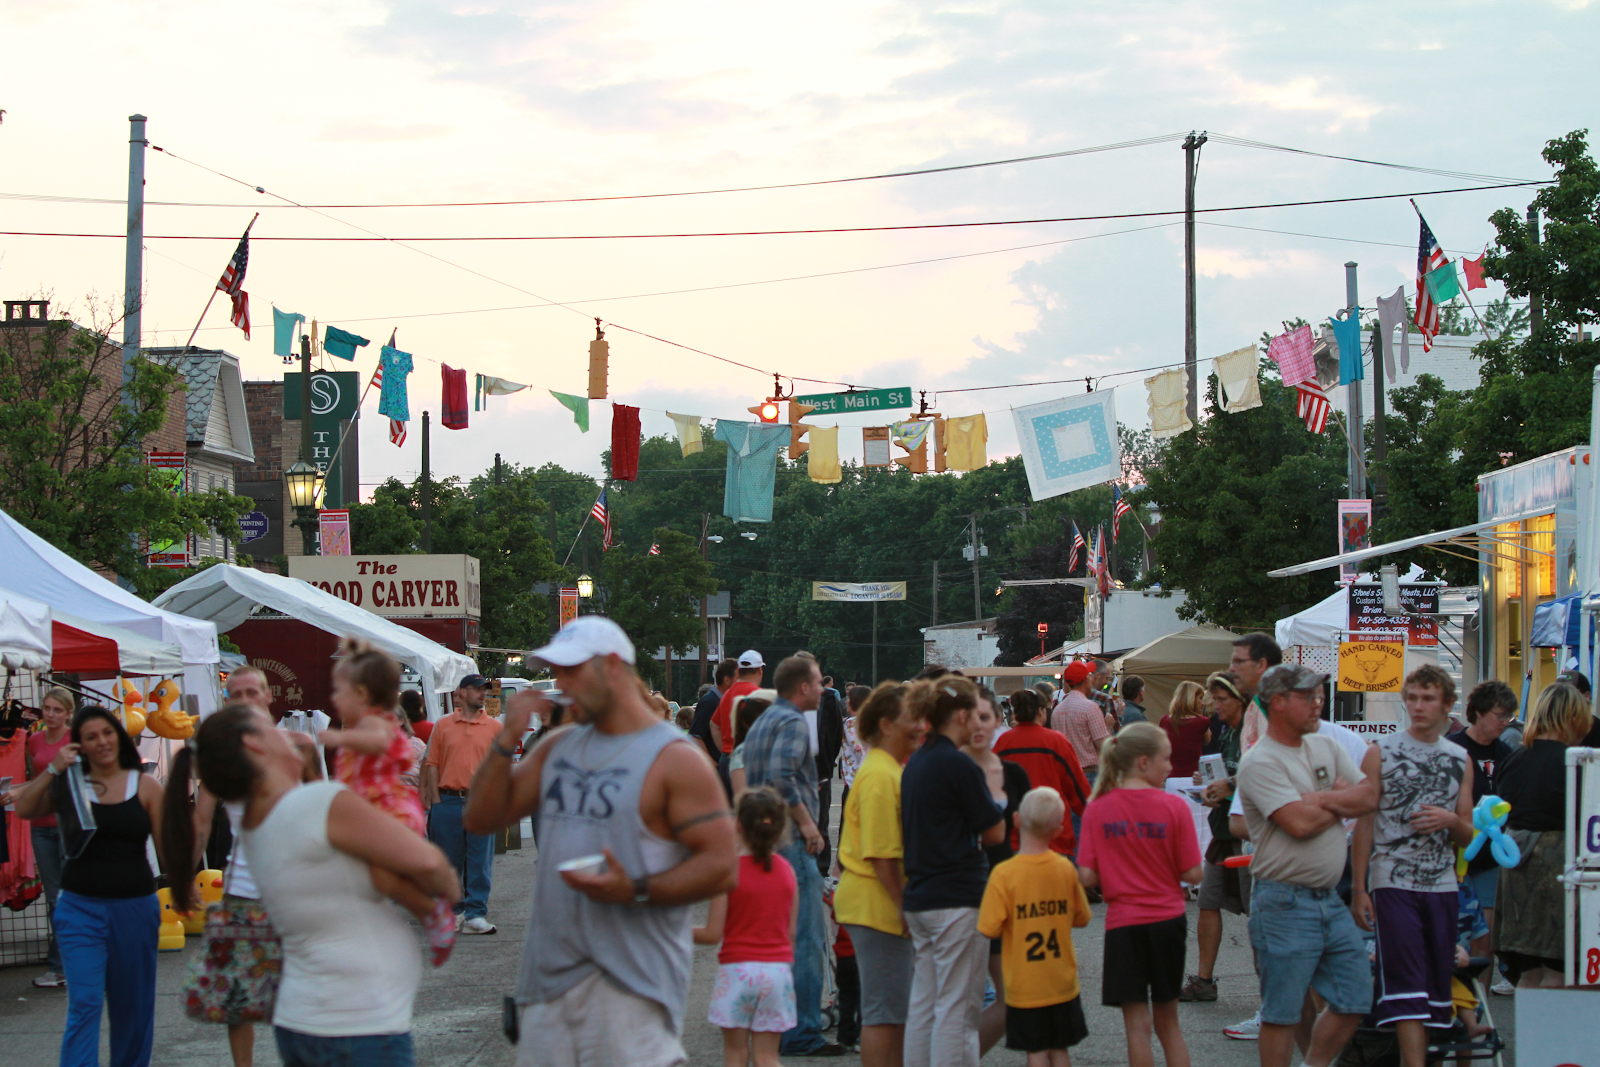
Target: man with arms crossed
{"x":1424,"y":788}
{"x":1295,"y":788}
{"x":607,"y":959}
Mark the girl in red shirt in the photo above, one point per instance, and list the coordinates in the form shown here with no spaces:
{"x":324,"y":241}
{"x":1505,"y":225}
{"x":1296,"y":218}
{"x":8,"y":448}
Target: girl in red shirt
{"x":753,"y":999}
{"x":1138,"y":843}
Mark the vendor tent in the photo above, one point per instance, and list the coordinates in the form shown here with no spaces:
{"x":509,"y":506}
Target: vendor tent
{"x":227,"y":595}
{"x":24,"y":633}
{"x":1188,"y":655}
{"x":98,"y":650}
{"x":1323,"y":623}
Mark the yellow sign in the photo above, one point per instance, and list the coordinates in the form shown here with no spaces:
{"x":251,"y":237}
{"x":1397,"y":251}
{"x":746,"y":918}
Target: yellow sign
{"x":1371,"y":666}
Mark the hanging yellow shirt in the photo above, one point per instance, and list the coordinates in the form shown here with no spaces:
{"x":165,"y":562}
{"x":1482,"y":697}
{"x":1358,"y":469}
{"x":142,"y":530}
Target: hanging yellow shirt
{"x":1031,"y":904}
{"x":966,"y":443}
{"x":870,"y":830}
{"x":822,"y":461}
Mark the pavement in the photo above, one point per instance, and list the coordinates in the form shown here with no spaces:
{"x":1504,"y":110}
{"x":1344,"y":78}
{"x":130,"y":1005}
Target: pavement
{"x":457,"y":1013}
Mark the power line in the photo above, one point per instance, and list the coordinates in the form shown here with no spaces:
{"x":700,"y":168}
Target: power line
{"x":406,"y":241}
{"x":1465,"y":175}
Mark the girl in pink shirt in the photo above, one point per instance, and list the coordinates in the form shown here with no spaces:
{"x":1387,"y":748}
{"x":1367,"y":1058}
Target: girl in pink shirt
{"x":1138,"y":843}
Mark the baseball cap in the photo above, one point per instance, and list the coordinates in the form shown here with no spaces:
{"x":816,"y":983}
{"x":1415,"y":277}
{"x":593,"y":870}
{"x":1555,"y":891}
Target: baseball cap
{"x":750,"y":659}
{"x":1076,"y":672}
{"x":1287,"y":677}
{"x":1574,"y":679}
{"x":473,"y":681}
{"x":581,"y":640}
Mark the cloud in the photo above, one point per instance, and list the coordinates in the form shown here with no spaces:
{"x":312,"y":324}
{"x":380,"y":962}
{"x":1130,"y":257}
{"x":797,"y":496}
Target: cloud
{"x":355,"y":130}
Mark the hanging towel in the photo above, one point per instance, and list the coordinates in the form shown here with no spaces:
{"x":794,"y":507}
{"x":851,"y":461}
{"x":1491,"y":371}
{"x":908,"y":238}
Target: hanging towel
{"x":396,"y":364}
{"x":578,"y":405}
{"x":822,"y":458}
{"x":911,"y":435}
{"x":752,"y":468}
{"x":1347,"y":337}
{"x":1392,"y":312}
{"x":1292,"y":353}
{"x":966,"y":442}
{"x":487,"y":387}
{"x":454,"y":404}
{"x":1443,"y":285}
{"x":283,"y":324}
{"x":337,"y":342}
{"x":624,"y":443}
{"x":1169,"y":401}
{"x":688,"y":433}
{"x":1241,"y":389}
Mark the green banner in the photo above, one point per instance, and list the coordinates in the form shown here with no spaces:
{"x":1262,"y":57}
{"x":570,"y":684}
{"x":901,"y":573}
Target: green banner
{"x":335,"y":396}
{"x":860,"y":400}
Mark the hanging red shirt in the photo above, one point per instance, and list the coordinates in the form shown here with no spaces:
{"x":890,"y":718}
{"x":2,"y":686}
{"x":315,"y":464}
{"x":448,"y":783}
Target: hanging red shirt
{"x":455,"y":399}
{"x":624,"y":443}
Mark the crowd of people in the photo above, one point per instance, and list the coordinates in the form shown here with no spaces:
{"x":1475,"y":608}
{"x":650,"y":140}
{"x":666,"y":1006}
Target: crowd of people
{"x":976,"y":835}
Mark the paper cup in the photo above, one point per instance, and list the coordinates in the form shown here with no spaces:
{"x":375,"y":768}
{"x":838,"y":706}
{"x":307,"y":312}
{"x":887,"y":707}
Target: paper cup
{"x":584,"y":865}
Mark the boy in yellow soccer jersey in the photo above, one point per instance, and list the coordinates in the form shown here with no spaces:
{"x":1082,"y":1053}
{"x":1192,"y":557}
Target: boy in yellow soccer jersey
{"x":1032,"y":903}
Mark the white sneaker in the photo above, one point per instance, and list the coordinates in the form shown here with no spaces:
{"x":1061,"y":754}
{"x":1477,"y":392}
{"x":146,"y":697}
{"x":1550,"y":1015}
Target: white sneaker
{"x":50,"y":980}
{"x":1502,"y":987}
{"x":478,"y":925}
{"x":1249,"y":1030}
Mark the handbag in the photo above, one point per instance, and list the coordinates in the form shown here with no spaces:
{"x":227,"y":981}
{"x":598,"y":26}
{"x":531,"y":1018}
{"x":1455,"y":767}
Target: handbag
{"x":233,"y":979}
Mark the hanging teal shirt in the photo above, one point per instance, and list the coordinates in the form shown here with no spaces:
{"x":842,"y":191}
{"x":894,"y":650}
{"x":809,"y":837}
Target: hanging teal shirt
{"x":1347,"y":333}
{"x":393,"y":401}
{"x":283,"y":324}
{"x":752,"y":468}
{"x":342,"y":343}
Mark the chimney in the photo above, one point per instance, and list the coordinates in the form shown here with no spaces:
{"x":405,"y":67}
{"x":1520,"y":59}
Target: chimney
{"x":27,"y":311}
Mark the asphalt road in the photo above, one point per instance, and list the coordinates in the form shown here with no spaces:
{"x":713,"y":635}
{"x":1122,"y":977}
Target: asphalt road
{"x":457,"y":1015}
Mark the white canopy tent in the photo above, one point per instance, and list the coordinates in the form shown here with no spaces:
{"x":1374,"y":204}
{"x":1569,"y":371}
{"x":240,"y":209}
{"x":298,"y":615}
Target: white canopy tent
{"x":25,"y":641}
{"x":227,"y":595}
{"x":136,"y":653}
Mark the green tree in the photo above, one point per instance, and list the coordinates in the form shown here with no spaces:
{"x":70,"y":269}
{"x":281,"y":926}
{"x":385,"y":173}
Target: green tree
{"x":1430,"y":485}
{"x":656,"y":599}
{"x":72,"y":465}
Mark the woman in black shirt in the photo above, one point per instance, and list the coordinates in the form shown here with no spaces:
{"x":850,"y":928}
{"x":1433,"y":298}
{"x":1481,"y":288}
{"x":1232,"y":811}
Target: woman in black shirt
{"x":1529,"y":924}
{"x":107,"y":918}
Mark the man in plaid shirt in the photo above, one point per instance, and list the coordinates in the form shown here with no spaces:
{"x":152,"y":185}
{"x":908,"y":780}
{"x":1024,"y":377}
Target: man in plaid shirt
{"x":777,"y":753}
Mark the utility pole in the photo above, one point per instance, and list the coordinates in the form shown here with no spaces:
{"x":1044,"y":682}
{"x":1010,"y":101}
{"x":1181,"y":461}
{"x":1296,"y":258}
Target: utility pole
{"x":1191,"y":347}
{"x":977,"y":595}
{"x":934,"y":621}
{"x":1358,"y":450}
{"x":427,"y":491}
{"x":874,"y":642}
{"x":705,"y":622}
{"x":133,"y":254}
{"x":1380,"y":448}
{"x":1535,"y":299}
{"x":497,"y":468}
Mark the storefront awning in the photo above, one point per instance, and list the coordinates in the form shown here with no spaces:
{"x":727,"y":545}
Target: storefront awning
{"x":1464,"y":538}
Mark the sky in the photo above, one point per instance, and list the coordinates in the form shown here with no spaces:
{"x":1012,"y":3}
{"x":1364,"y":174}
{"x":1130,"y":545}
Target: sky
{"x":414,"y":101}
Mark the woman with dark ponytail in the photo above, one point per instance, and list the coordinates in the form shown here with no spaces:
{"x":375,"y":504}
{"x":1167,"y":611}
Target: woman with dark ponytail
{"x":350,"y":969}
{"x":107,"y":918}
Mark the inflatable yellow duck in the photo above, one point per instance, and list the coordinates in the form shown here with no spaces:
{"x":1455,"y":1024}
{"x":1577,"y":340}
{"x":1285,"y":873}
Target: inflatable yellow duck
{"x":167,"y":721}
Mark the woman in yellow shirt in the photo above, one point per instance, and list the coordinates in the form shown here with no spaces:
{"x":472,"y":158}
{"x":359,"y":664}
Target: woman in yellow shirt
{"x":867,"y":901}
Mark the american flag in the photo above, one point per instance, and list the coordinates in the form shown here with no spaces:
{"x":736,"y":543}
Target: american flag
{"x":600,"y":514}
{"x":1429,"y":257}
{"x":655,"y":549}
{"x":1077,"y":547}
{"x":1314,"y":406}
{"x":397,"y":429}
{"x":1102,"y":566}
{"x":232,"y":283}
{"x":1119,"y":508}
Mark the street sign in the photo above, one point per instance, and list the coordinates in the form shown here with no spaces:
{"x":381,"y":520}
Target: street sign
{"x":253,"y":526}
{"x":860,"y":400}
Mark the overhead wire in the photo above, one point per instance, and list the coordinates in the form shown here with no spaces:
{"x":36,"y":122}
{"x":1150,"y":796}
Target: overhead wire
{"x":1241,"y":142}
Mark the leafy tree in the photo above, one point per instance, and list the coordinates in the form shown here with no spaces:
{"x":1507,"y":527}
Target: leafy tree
{"x":1430,"y":486}
{"x":656,"y":599}
{"x":72,"y":465}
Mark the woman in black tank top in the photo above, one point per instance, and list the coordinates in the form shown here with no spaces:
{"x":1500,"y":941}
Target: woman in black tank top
{"x":107,"y":917}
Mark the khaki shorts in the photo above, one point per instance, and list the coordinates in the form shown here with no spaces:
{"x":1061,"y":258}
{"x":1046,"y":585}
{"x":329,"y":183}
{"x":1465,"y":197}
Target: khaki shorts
{"x":597,"y":1024}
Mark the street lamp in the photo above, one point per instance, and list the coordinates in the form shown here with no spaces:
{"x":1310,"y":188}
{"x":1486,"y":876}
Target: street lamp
{"x":585,"y":587}
{"x":715,"y":539}
{"x":748,"y":535}
{"x":303,"y":482}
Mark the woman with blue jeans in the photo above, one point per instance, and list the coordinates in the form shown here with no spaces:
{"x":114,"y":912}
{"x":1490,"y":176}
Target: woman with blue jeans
{"x":106,"y":918}
{"x":351,"y":964}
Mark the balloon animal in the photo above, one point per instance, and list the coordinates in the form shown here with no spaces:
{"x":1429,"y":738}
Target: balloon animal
{"x":1489,"y":820}
{"x":133,"y":717}
{"x":167,"y":721}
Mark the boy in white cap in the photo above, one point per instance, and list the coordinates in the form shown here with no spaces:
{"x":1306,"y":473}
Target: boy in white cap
{"x":634,"y":828}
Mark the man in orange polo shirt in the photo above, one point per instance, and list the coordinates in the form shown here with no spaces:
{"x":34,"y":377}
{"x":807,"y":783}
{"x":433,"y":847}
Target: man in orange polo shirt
{"x":456,"y":747}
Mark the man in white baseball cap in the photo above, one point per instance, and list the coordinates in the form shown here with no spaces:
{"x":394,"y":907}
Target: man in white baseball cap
{"x":747,"y":681}
{"x":607,"y":959}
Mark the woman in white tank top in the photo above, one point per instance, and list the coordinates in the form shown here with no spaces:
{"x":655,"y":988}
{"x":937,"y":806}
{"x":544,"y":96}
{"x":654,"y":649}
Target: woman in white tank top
{"x":351,"y":964}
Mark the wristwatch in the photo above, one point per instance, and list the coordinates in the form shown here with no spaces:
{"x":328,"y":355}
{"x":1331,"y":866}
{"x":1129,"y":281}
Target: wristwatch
{"x":641,"y":890}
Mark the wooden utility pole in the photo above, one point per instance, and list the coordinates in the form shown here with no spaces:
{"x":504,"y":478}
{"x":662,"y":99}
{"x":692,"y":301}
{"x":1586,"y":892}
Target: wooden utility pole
{"x":705,"y":627}
{"x":934,"y":621}
{"x":977,"y":594}
{"x":1191,"y":347}
{"x":1535,"y":299}
{"x":427,"y":491}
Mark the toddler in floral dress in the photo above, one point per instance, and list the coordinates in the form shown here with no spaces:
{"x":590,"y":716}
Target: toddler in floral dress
{"x":374,"y":758}
{"x":753,"y":999}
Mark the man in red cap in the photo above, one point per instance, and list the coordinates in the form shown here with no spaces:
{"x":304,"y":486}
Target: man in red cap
{"x":1082,"y":721}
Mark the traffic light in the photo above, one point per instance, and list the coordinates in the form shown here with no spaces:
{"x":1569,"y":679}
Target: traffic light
{"x":798,"y":429}
{"x":599,"y":361}
{"x":766,"y":411}
{"x":917,"y":460}
{"x":938,"y":445}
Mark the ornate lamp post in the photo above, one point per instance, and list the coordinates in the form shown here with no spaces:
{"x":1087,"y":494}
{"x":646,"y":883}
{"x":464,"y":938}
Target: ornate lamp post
{"x":304,"y":481}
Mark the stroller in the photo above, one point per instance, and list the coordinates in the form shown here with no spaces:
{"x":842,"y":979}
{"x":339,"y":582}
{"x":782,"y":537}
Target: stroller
{"x":1372,"y":1047}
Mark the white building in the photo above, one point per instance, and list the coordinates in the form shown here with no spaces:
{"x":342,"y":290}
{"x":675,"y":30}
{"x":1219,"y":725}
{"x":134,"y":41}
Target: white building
{"x":217,"y":430}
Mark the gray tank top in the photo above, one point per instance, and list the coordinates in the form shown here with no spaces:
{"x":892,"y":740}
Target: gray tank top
{"x":1415,"y":773}
{"x":591,"y":784}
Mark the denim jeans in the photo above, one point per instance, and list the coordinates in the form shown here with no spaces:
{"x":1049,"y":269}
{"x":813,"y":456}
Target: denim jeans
{"x":108,"y":947}
{"x":368,"y":1050}
{"x":48,"y":858}
{"x":808,"y":954}
{"x":472,"y":855}
{"x":1306,"y":938}
{"x":1089,"y":774}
